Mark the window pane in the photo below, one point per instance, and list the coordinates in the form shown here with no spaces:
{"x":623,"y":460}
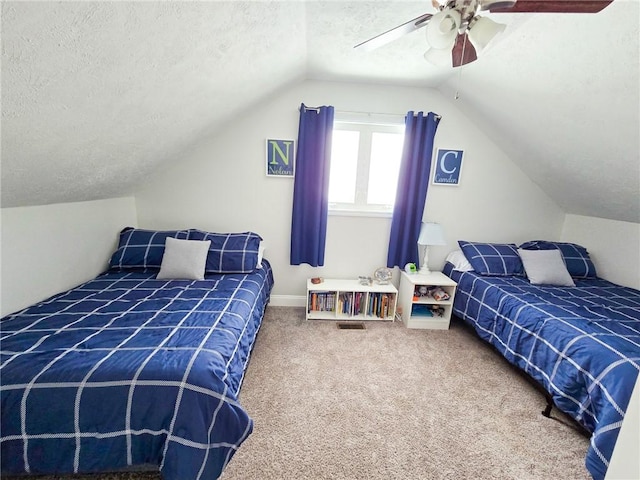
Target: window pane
{"x":344,"y":163}
{"x":386,"y":151}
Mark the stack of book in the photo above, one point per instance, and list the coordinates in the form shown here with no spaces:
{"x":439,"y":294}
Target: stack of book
{"x":322,"y":301}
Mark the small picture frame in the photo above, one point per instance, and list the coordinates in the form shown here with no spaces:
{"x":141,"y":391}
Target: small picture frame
{"x":279,"y":158}
{"x":448,"y":165}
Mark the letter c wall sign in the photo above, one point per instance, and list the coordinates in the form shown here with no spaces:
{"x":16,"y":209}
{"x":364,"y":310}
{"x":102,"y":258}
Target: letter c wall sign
{"x":447,"y":167}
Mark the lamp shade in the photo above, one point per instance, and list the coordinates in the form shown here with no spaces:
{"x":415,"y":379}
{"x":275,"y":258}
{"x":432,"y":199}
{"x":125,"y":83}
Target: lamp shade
{"x":439,"y":57}
{"x":431,"y":234}
{"x":482,"y":31}
{"x":442,"y":29}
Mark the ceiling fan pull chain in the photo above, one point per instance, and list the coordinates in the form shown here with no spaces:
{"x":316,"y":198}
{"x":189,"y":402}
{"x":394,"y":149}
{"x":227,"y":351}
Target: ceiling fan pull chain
{"x":457,"y":95}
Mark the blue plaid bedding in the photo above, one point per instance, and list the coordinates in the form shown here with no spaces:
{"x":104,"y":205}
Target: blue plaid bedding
{"x":582,"y":344}
{"x":128,"y":370}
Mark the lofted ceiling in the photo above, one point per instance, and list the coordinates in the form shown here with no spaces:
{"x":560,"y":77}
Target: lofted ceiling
{"x":96,"y":95}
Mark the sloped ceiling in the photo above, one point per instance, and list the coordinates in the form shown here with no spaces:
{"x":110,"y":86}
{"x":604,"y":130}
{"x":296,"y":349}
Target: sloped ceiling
{"x":95,"y":95}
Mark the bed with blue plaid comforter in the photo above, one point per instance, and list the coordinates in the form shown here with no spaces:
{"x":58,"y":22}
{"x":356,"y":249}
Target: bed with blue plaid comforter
{"x":582,"y":344}
{"x":127,"y":370}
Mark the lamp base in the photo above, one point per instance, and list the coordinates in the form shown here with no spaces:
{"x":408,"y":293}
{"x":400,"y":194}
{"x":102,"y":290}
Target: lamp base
{"x":424,"y":266}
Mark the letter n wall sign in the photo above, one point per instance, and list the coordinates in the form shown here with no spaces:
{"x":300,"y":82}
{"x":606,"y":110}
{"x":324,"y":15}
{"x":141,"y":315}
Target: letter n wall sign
{"x":280,"y":158}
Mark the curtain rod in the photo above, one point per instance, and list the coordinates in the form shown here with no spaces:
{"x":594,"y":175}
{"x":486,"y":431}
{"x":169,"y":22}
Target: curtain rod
{"x":381,"y":114}
{"x":317,"y":109}
{"x":372,"y":113}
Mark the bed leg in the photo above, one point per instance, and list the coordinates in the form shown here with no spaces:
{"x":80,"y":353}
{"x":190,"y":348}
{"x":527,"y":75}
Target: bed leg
{"x":547,"y":410}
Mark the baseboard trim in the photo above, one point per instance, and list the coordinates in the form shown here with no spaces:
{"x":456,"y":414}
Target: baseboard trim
{"x":288,"y":301}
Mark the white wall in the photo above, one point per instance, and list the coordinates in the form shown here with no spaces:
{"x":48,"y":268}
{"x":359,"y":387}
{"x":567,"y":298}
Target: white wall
{"x":625,"y":463}
{"x":613,"y":246}
{"x":48,"y":249}
{"x":220,"y":185}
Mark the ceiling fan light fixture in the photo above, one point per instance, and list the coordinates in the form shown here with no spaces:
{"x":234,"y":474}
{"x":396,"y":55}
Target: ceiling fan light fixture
{"x":438,"y":57}
{"x":482,"y":30}
{"x":442,"y":29}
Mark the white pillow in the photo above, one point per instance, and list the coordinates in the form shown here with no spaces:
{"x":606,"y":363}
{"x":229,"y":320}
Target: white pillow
{"x":261,"y":248}
{"x":546,"y":267}
{"x":184,"y":259}
{"x":459,"y":261}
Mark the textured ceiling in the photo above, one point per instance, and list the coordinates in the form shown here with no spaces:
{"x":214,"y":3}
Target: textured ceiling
{"x":567,"y":110}
{"x":95,"y":95}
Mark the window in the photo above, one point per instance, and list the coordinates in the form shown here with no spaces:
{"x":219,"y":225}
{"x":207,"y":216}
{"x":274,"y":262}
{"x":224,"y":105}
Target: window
{"x":365,"y":161}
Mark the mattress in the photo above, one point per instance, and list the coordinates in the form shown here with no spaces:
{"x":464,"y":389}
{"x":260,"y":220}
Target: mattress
{"x":128,"y":370}
{"x":582,"y":344}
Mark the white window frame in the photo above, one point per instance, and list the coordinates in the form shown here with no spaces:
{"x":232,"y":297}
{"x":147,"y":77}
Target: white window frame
{"x":366,"y":126}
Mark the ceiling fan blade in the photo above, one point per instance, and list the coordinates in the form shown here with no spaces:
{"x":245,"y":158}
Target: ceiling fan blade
{"x":496,"y":4}
{"x":394,"y":33}
{"x":463,"y":51}
{"x":554,"y":6}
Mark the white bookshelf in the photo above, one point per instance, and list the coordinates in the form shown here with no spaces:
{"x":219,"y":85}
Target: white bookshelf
{"x":334,"y":299}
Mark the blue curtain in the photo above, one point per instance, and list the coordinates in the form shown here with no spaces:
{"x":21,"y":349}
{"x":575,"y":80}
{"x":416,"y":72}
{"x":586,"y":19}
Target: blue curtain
{"x":413,"y":181}
{"x":311,"y":186}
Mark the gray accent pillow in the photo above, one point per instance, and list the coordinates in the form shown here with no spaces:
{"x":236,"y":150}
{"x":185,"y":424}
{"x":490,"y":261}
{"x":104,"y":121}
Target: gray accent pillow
{"x":184,"y":259}
{"x":546,"y":267}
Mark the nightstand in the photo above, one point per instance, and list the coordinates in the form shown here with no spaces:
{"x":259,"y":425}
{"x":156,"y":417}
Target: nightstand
{"x":416,"y":298}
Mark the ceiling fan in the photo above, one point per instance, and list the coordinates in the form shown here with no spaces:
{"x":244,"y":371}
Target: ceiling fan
{"x":456,"y":33}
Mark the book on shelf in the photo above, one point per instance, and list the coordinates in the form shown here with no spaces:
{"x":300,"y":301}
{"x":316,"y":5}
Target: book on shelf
{"x":322,"y":302}
{"x":345,"y":303}
{"x":379,"y":305}
{"x":421,"y":311}
{"x":427,"y":311}
{"x":367,"y":304}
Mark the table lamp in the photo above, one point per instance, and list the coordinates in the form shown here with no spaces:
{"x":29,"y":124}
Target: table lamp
{"x":430,"y":234}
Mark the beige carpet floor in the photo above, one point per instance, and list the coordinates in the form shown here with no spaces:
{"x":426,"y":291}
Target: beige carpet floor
{"x":390,"y":403}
